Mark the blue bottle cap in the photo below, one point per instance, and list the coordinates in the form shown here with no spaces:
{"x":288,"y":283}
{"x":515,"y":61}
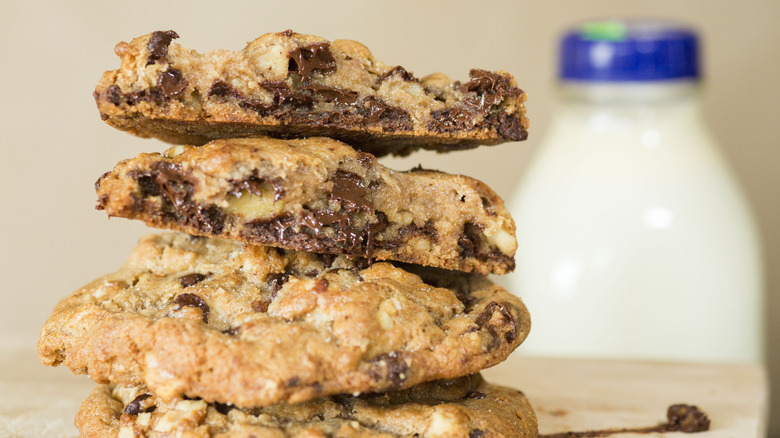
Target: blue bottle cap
{"x":629,"y":50}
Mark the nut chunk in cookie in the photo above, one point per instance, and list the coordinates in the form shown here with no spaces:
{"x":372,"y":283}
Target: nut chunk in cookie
{"x":254,"y":325}
{"x":293,"y":85}
{"x":485,"y":411}
{"x":316,"y":195}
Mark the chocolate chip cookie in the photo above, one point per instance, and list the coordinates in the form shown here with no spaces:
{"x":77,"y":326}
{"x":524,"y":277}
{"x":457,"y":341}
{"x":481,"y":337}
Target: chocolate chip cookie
{"x":483,"y":411}
{"x":316,"y":195}
{"x":254,"y":325}
{"x":294,"y":85}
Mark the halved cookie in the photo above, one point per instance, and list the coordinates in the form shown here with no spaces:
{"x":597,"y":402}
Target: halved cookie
{"x":317,"y":195}
{"x":294,"y":85}
{"x":481,"y":411}
{"x":254,"y":325}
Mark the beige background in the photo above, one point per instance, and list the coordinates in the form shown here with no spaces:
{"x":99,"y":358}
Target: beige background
{"x":54,"y":145}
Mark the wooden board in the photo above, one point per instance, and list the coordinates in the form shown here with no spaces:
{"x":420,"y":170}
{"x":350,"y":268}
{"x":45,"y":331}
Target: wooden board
{"x":568,"y":395}
{"x":579,"y":395}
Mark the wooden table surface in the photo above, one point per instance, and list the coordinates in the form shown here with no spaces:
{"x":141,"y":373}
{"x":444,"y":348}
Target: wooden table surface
{"x":567,"y":394}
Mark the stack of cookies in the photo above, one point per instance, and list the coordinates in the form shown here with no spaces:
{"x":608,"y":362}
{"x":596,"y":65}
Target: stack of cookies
{"x":303,"y":289}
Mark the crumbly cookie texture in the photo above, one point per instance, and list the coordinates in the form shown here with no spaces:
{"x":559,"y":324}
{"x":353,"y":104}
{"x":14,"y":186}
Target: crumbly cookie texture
{"x":294,"y":85}
{"x":254,"y":325}
{"x":316,"y":195}
{"x":485,"y":410}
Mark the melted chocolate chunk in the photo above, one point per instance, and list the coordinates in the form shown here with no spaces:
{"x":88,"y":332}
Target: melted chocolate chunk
{"x":134,"y":407}
{"x":191,"y":279}
{"x":476,"y":433}
{"x":350,"y":188}
{"x":476,"y":395}
{"x":170,"y":182}
{"x":397,"y":70}
{"x":284,"y":95}
{"x":115,"y":96}
{"x":314,"y":57}
{"x":390,"y":366}
{"x":171,"y":82}
{"x":192,"y":300}
{"x":390,"y":118}
{"x":158,"y":45}
{"x":449,"y":120}
{"x":329,"y":94}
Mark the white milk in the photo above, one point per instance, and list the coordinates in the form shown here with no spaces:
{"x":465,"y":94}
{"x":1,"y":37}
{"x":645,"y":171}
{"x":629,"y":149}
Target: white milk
{"x":634,"y":238}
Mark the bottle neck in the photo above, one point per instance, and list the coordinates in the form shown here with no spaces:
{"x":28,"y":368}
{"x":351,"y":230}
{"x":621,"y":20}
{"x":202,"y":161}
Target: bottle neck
{"x":629,"y":93}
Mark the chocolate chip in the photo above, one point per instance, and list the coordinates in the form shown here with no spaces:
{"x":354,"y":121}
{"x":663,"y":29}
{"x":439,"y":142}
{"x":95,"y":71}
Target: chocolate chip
{"x":134,"y":407}
{"x":397,"y":70}
{"x":470,"y":240}
{"x":314,"y":57}
{"x":475,"y":395}
{"x":390,"y":366}
{"x":260,"y":306}
{"x":476,"y":433}
{"x":192,"y":300}
{"x":294,"y":381}
{"x":171,"y":82}
{"x":158,"y":45}
{"x":511,"y":334}
{"x":320,"y":286}
{"x":367,"y":160}
{"x":256,"y":186}
{"x":232,"y":330}
{"x":114,"y":95}
{"x":486,"y":314}
{"x":686,"y":418}
{"x":191,"y":279}
{"x":100,"y":180}
{"x":222,"y":408}
{"x":277,"y":280}
{"x":511,"y":128}
{"x":288,"y":33}
{"x":222,"y":89}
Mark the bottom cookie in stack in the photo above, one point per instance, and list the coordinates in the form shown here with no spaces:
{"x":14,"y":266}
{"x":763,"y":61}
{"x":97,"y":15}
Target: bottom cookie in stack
{"x":463,"y":407}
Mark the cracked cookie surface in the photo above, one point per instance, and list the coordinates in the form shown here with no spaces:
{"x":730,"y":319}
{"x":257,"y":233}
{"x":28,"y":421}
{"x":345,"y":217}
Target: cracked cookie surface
{"x":288,"y":84}
{"x":483,"y":410}
{"x":316,"y":195}
{"x":254,"y":325}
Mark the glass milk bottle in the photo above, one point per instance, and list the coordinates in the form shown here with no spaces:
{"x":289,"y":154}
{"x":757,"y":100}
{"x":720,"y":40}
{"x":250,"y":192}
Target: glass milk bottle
{"x":635,"y":239}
